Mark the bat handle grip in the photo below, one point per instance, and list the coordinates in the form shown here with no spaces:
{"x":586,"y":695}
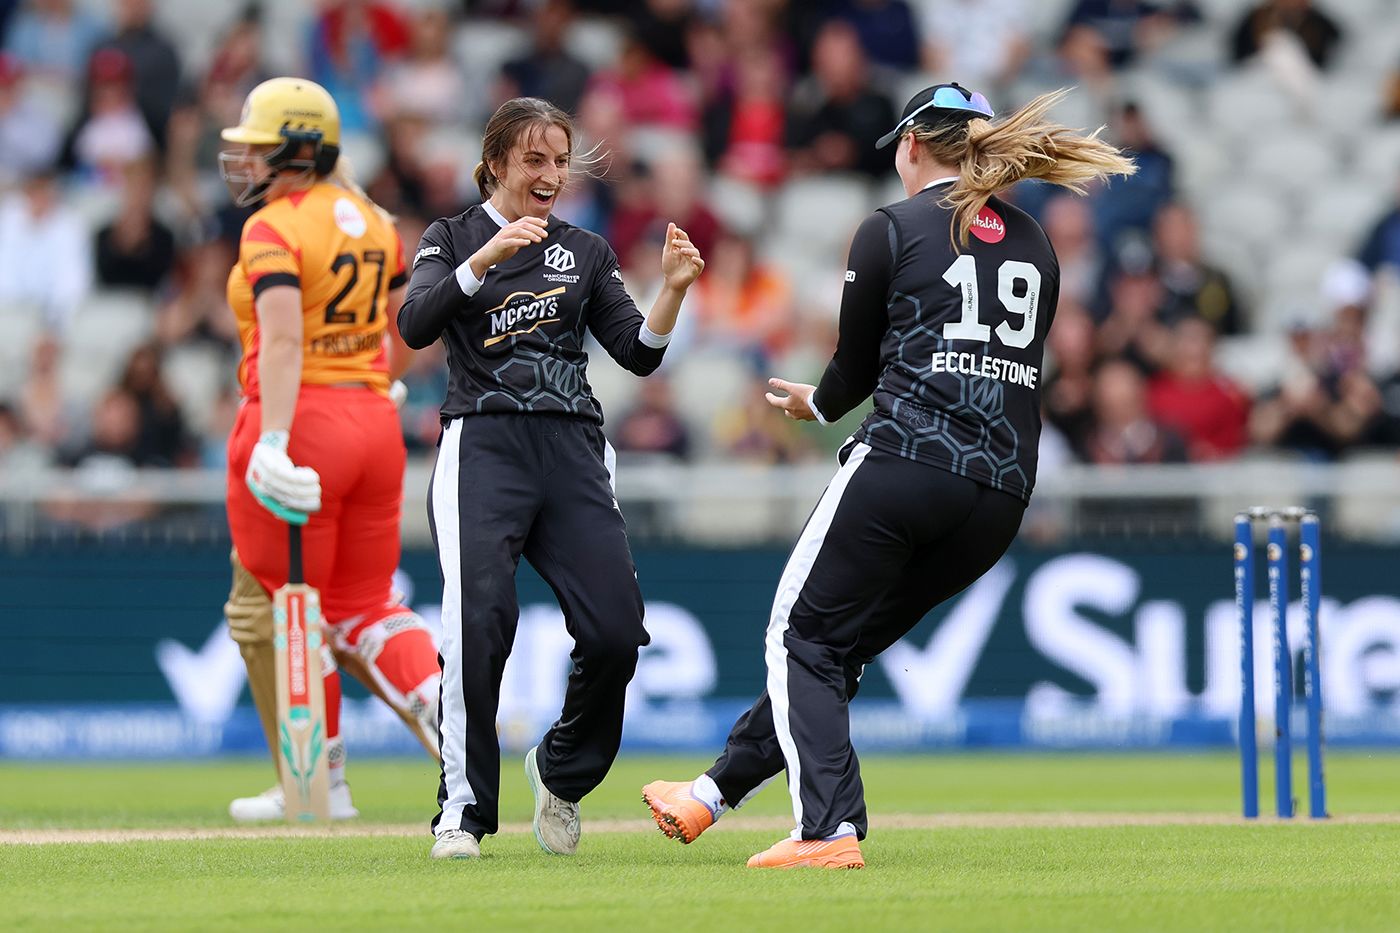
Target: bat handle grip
{"x":294,"y":567}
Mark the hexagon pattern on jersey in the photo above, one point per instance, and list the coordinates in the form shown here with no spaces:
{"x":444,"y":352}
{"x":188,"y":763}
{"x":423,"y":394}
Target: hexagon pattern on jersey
{"x":926,"y":422}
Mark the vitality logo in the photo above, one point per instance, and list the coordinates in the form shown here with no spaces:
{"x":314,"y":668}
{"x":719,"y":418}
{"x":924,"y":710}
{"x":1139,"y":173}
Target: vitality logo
{"x":522,"y":307}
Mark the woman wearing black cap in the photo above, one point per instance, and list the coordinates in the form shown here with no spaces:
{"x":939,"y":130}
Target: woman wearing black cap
{"x":948,"y":298}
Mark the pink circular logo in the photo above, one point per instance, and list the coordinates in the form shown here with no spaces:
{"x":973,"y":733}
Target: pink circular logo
{"x":988,"y":226}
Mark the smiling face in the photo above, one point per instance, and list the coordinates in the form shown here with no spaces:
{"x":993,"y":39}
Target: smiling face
{"x":533,"y":173}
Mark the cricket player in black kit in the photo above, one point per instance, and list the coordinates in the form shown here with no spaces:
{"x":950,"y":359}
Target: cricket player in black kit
{"x":523,"y":468}
{"x":949,"y":295}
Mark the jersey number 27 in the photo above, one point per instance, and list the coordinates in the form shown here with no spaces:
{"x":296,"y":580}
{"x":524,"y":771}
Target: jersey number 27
{"x":962,"y":275}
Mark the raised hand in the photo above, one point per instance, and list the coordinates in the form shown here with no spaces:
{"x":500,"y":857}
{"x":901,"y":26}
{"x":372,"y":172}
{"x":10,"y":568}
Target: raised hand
{"x":797,"y":404}
{"x":508,"y":241}
{"x":680,"y":260}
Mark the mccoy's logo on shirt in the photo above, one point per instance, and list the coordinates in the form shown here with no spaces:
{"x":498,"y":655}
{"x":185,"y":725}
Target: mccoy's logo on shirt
{"x":523,"y":308}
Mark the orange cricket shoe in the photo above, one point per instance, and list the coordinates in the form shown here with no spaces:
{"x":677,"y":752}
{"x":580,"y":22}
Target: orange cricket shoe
{"x":676,"y":810}
{"x":841,"y":852}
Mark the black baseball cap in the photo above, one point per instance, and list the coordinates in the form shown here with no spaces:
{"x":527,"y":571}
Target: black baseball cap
{"x":938,"y":104}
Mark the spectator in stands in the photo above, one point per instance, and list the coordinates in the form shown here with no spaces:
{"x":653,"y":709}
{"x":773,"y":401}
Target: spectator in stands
{"x":1133,"y":327}
{"x":1128,"y":206}
{"x":44,"y":410}
{"x":113,"y":132}
{"x":351,"y":41}
{"x":749,"y":432}
{"x":661,"y":26}
{"x":161,"y":438}
{"x":1069,"y":224}
{"x":237,"y":59}
{"x":53,"y":39}
{"x":1069,"y":391}
{"x":428,"y":81}
{"x":669,"y":189}
{"x":45,"y":253}
{"x":745,"y":129}
{"x":19,"y":453}
{"x":652,"y":426}
{"x":1194,"y":399}
{"x":836,"y":114}
{"x":29,"y":135}
{"x":983,"y":42}
{"x":1124,"y":429}
{"x":743,"y":303}
{"x":1316,"y":410}
{"x":1191,"y":287}
{"x":1317,"y":32}
{"x":198,"y":311}
{"x":1128,"y":28}
{"x":547,"y":69}
{"x":135,"y":250}
{"x":887,"y":31}
{"x":402,"y":183}
{"x":643,"y":93}
{"x":155,"y":64}
{"x":1381,"y":246}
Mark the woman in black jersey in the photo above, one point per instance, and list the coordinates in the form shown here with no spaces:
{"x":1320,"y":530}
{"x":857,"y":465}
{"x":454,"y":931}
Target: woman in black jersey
{"x":948,"y":297}
{"x":523,"y":468}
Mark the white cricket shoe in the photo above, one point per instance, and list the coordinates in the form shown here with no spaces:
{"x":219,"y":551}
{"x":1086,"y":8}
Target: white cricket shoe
{"x":456,"y":843}
{"x":270,"y":805}
{"x":556,"y":820}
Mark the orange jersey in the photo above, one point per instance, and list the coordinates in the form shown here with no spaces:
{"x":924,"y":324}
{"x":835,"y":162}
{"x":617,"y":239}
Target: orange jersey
{"x":345,"y":258}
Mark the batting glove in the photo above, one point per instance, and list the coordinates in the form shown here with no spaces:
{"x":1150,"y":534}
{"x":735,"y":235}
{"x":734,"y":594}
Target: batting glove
{"x":398,"y":393}
{"x":286,"y":490}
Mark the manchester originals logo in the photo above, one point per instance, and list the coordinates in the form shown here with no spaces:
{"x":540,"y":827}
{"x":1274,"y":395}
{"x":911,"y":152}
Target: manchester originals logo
{"x":523,"y":307}
{"x":558,"y":258}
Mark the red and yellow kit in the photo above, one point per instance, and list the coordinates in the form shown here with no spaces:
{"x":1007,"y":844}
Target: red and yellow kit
{"x":345,"y":258}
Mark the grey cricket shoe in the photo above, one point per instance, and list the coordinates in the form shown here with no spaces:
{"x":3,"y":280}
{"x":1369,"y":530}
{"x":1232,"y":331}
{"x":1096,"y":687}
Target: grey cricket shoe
{"x":456,"y":843}
{"x":556,"y":820}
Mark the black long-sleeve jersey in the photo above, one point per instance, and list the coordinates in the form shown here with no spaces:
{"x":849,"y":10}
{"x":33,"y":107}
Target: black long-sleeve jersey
{"x":951,"y":343}
{"x":515,"y":337}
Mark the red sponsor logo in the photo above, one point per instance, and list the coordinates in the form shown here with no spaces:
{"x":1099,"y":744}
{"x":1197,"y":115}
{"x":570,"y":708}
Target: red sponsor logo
{"x":298,"y":690}
{"x":988,"y":226}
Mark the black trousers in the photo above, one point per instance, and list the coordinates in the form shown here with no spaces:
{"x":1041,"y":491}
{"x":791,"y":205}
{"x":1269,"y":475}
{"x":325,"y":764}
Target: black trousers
{"x":889,"y":540}
{"x":538,"y":486}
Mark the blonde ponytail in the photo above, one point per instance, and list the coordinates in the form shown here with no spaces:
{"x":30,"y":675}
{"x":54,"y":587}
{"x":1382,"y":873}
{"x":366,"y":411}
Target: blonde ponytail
{"x":343,"y":175}
{"x":994,"y":155}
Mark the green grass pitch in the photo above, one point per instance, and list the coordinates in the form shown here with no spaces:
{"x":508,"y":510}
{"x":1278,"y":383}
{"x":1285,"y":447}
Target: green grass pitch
{"x":958,"y":842}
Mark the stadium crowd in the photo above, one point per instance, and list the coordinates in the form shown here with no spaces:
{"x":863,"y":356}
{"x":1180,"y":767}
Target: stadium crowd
{"x":751,"y":123}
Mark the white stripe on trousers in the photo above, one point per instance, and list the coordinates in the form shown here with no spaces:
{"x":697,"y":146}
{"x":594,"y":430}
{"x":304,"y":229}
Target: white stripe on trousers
{"x":799,"y":567}
{"x":446,"y":483}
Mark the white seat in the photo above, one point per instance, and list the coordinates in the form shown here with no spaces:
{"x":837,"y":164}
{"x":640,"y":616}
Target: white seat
{"x":1359,"y":511}
{"x":823,"y":212}
{"x":707,"y":382}
{"x":195,"y":374}
{"x":1248,"y":103}
{"x":21,"y":328}
{"x":1291,"y":160}
{"x":115,"y":319}
{"x":1248,"y":213}
{"x":483,"y":46}
{"x":596,"y":42}
{"x":1252,"y":360}
{"x":1342,"y":215}
{"x":740,"y":206}
{"x":1378,"y":157}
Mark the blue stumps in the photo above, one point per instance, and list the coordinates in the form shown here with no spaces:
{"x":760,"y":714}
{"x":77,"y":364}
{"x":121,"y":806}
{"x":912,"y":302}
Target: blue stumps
{"x":1310,"y":586}
{"x":1283,"y":665}
{"x":1244,"y":614}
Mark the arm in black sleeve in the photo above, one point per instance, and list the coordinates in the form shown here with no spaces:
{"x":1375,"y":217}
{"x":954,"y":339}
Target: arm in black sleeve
{"x":854,"y":369}
{"x":435,"y":291}
{"x":614,"y":319}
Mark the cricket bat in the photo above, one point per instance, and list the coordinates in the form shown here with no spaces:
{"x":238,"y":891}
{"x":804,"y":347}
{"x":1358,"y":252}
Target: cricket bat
{"x":301,"y":697}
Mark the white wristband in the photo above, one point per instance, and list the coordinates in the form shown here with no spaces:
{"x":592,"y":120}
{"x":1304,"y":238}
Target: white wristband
{"x":467,"y":280}
{"x":652,"y":339}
